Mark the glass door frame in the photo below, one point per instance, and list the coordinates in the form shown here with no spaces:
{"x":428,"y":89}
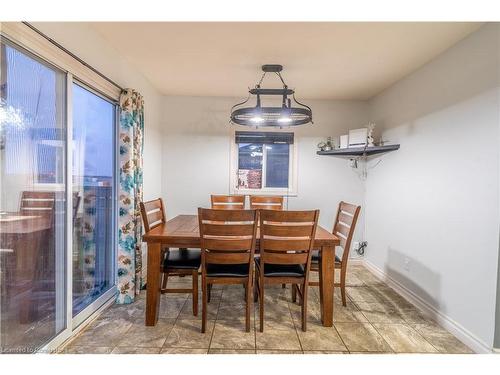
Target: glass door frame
{"x":25,"y":39}
{"x":83,"y":315}
{"x":75,"y":324}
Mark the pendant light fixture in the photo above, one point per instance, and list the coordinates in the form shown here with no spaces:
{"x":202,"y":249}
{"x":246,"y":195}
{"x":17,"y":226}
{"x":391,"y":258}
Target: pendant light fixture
{"x":284,"y":115}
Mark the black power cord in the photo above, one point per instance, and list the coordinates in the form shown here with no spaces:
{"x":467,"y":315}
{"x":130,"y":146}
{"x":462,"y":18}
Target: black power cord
{"x":361,"y":248}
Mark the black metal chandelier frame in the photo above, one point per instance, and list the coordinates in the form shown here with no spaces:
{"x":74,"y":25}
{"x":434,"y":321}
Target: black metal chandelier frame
{"x":285,"y":115}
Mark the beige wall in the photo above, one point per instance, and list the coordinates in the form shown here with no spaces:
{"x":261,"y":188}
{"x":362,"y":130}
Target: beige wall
{"x":432,"y":208}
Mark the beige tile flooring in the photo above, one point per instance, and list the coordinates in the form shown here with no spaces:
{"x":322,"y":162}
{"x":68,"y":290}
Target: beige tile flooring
{"x":375,"y":320}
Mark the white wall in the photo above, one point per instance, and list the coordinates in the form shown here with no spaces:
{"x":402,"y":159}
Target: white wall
{"x":435,"y":202}
{"x":196,"y":155}
{"x":88,"y":45}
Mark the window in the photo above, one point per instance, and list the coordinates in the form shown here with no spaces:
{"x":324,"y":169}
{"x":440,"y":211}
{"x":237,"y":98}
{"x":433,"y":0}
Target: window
{"x":263,"y":163}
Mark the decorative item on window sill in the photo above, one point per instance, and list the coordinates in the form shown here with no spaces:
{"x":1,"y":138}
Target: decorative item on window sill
{"x":284,"y":115}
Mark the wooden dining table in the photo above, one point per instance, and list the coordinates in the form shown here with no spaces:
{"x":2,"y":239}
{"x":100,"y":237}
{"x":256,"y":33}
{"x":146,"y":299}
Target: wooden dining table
{"x":183,"y":232}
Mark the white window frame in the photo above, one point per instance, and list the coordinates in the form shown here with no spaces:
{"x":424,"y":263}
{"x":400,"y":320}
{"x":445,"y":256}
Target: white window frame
{"x":291,"y":191}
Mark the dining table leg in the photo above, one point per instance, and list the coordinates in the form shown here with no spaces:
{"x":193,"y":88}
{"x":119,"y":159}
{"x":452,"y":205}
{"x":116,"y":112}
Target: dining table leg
{"x":153,"y":283}
{"x":326,"y":280}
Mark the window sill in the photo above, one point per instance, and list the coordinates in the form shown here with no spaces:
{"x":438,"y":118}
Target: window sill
{"x":280,"y":192}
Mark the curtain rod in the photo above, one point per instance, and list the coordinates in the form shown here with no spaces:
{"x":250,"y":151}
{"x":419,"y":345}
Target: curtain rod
{"x":71,"y":54}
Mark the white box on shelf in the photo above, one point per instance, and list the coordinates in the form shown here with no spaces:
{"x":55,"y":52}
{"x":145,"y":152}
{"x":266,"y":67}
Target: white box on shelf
{"x":357,"y":137}
{"x":344,"y":141}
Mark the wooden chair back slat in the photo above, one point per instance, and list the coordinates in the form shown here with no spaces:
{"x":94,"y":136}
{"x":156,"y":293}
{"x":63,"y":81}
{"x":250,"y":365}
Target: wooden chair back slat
{"x":153,"y":214}
{"x":266,"y":202}
{"x":286,"y":258}
{"x":153,"y":205}
{"x":287,"y":237}
{"x":240,"y":229}
{"x":227,"y":236}
{"x":348,"y":207}
{"x":286,"y":244}
{"x":38,"y":202}
{"x":155,"y":218}
{"x":212,"y":216}
{"x":225,"y":244}
{"x":228,"y":202}
{"x":289,"y":216}
{"x":342,"y":229}
{"x":227,"y":258}
{"x":345,"y":218}
{"x":27,"y":204}
{"x":278,"y":230}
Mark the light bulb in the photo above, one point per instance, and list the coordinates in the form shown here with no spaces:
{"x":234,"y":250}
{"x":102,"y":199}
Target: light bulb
{"x":284,"y":119}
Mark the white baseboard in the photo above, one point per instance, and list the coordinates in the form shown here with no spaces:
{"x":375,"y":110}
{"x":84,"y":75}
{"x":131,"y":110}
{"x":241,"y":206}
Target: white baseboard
{"x":446,"y":322}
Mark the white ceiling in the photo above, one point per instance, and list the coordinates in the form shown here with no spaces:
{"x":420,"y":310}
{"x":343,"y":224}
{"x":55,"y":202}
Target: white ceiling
{"x":321,"y":60}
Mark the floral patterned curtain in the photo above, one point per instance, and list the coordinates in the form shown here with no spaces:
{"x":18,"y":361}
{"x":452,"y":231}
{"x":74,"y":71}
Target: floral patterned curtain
{"x":130,"y":278}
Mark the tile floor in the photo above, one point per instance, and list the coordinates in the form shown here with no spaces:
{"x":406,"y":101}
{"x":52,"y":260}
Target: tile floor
{"x":376,"y":320}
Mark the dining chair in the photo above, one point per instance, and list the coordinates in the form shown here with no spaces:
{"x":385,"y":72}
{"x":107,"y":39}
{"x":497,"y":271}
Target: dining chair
{"x":228,"y":202}
{"x":266,"y":202}
{"x":228,"y":246}
{"x":176,"y":262}
{"x":345,"y":223}
{"x":286,"y":243}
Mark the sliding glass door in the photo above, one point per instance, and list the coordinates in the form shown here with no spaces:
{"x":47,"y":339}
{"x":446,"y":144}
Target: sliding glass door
{"x":93,"y":191}
{"x":32,"y":201}
{"x":57,"y":201}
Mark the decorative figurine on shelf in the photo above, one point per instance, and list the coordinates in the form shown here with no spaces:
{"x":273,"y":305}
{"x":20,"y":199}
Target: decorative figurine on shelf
{"x":371,"y":127}
{"x":326,"y":146}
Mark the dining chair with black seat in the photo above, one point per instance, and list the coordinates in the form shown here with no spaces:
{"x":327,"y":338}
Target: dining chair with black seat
{"x":286,"y":243}
{"x":266,"y":202}
{"x":228,"y":245}
{"x":228,"y":202}
{"x":176,"y":262}
{"x":344,"y":226}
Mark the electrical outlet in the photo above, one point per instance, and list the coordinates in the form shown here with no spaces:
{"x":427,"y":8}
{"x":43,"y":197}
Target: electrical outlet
{"x":406,"y":265}
{"x":356,"y":246}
